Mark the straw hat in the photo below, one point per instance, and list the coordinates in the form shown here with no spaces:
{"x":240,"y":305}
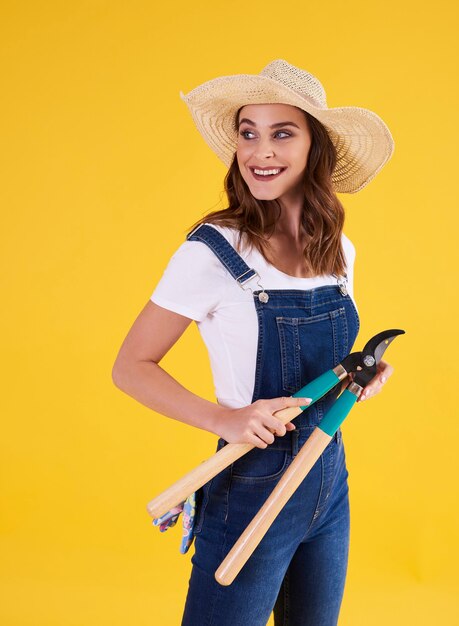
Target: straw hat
{"x":362,"y":140}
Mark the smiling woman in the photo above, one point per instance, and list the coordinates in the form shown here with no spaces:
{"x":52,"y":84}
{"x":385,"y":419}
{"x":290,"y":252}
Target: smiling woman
{"x":266,"y":149}
{"x":292,"y":215}
{"x":265,"y":281}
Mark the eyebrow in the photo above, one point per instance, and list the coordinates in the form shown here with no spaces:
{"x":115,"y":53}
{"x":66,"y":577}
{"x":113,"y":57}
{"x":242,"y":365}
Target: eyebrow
{"x":244,"y":119}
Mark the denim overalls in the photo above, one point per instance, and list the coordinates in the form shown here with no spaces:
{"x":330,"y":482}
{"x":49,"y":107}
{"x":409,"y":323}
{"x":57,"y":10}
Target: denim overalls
{"x":298,"y":569}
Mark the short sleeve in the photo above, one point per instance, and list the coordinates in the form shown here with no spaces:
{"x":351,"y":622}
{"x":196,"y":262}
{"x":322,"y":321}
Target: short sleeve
{"x":349,"y":253}
{"x":192,"y":282}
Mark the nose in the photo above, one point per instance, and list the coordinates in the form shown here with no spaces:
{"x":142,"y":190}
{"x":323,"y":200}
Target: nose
{"x":264,"y":149}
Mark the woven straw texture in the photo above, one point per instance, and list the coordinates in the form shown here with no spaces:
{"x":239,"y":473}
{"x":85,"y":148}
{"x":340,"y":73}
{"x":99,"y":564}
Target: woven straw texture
{"x":363,"y":141}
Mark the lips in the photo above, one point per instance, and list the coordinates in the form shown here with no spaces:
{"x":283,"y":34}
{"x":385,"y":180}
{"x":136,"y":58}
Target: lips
{"x":269,"y":177}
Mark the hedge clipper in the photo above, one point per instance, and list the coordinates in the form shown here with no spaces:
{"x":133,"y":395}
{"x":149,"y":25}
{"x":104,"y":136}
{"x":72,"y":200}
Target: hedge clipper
{"x":363,"y":367}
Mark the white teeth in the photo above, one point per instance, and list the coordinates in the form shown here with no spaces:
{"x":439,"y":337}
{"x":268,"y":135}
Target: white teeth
{"x":266,"y":172}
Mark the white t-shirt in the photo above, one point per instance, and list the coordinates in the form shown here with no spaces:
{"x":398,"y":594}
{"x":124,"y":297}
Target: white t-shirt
{"x":196,"y":284}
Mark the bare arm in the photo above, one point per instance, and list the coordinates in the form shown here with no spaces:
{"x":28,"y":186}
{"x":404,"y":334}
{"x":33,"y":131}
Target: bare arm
{"x":137,"y":372}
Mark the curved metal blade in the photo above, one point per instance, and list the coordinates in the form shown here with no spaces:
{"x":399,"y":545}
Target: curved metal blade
{"x":378,"y":344}
{"x":372,"y":354}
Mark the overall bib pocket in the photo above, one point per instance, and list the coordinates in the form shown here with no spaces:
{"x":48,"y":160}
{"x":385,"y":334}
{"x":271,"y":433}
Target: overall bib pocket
{"x":309,"y":346}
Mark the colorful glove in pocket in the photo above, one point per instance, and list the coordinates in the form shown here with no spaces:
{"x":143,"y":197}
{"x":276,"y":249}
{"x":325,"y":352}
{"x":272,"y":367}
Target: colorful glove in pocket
{"x":169,"y":519}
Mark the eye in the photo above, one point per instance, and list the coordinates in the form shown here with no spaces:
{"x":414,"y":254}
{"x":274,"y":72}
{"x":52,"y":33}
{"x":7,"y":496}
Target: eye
{"x":244,"y":132}
{"x":278,"y":132}
{"x":284,"y":133}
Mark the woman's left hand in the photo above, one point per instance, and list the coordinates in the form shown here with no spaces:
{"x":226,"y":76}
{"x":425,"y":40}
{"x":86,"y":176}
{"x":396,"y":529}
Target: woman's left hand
{"x":383,"y":371}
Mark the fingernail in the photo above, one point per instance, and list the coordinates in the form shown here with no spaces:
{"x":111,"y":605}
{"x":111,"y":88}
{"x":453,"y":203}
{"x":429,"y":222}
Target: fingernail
{"x":383,"y":379}
{"x":307,"y":399}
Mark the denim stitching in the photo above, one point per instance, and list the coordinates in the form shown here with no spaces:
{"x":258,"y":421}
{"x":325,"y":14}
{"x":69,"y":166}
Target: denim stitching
{"x":286,"y":598}
{"x":345,"y":333}
{"x":283,"y":354}
{"x":259,"y":352}
{"x":296,"y":356}
{"x":332,"y":472}
{"x":317,"y":509}
{"x":307,"y":304}
{"x":316,"y":512}
{"x":334,"y":333}
{"x":296,"y":321}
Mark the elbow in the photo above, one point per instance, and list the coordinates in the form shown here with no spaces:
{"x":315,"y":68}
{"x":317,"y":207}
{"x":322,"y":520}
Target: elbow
{"x":124,"y":372}
{"x":117,"y":375}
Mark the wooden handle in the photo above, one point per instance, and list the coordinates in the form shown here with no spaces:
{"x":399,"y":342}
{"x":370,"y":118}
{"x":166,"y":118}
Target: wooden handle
{"x":197,"y":477}
{"x":258,"y":527}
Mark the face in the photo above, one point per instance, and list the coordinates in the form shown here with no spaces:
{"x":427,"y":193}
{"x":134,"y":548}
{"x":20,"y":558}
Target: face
{"x":273,"y":137}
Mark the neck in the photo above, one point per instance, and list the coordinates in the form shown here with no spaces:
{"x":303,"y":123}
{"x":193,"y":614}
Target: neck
{"x":289,"y":224}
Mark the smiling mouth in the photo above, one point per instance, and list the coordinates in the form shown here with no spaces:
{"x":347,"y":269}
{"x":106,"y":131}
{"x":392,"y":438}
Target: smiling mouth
{"x":266,"y":177}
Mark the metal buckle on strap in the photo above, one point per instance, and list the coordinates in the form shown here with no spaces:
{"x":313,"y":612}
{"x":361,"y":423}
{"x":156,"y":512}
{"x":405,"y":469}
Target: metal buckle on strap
{"x":263,"y":296}
{"x":250,"y":278}
{"x":342,"y":282}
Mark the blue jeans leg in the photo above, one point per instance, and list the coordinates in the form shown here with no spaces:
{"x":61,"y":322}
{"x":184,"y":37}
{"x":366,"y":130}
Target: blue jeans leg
{"x":299,"y":567}
{"x":313,"y":586}
{"x":250,"y":598}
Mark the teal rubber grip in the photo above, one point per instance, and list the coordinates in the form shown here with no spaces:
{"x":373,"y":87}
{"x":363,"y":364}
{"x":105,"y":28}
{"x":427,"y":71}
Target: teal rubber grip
{"x":317,"y":387}
{"x":338,"y":412}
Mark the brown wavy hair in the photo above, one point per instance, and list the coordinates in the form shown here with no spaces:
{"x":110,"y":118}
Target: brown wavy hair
{"x":323,"y":213}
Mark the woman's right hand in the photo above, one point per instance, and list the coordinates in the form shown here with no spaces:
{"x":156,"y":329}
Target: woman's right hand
{"x":256,"y":423}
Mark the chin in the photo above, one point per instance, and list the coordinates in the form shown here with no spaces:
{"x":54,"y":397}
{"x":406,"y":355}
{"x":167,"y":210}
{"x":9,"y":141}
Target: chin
{"x":263,"y":194}
{"x":259,"y":195}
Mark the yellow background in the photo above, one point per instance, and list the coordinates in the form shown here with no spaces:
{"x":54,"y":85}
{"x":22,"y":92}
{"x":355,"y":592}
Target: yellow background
{"x":102,"y":172}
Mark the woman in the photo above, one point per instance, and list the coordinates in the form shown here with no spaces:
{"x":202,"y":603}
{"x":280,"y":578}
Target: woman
{"x":265,"y":280}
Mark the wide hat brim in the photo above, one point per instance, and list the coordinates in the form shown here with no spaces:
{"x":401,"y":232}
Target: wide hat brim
{"x":362,"y":140}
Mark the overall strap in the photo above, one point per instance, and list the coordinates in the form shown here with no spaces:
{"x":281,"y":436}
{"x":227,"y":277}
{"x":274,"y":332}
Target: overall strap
{"x":233,"y":262}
